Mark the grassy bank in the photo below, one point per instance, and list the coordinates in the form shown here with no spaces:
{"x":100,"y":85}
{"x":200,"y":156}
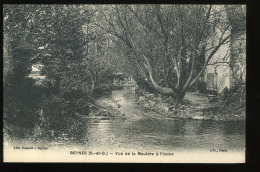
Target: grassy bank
{"x":200,"y":110}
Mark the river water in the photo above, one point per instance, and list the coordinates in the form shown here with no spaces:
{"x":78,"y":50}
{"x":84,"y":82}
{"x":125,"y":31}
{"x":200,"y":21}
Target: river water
{"x":147,"y":131}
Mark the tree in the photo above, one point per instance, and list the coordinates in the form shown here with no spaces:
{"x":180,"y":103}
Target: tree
{"x":53,"y":36}
{"x":98,"y":56}
{"x":169,"y":42}
{"x":236,"y":15}
{"x":21,"y":96}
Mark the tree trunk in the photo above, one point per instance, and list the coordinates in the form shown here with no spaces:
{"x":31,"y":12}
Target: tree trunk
{"x":178,"y":100}
{"x":92,"y":86}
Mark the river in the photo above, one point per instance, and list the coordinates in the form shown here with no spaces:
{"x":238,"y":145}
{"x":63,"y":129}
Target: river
{"x":147,"y":131}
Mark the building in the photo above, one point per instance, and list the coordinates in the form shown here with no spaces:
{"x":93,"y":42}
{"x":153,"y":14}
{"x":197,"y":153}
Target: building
{"x":227,"y":68}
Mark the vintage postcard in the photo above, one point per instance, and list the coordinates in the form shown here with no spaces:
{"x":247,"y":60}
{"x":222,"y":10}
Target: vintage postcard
{"x":124,"y":83}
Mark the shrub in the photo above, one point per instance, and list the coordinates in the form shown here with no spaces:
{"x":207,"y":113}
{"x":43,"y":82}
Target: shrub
{"x":202,"y":86}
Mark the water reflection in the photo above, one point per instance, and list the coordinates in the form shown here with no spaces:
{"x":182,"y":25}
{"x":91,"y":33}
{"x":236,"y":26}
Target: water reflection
{"x":145,"y":130}
{"x":148,"y":130}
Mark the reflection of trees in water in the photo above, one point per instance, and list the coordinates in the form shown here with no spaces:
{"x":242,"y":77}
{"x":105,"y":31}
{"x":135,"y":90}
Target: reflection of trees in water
{"x":232,"y":127}
{"x":103,"y":134}
{"x":187,"y":127}
{"x":192,"y":127}
{"x":209,"y":127}
{"x":129,"y":92}
{"x":143,"y":129}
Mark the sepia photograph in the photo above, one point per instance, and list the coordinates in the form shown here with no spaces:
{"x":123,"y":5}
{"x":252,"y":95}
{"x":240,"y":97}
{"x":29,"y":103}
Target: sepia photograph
{"x":124,"y":83}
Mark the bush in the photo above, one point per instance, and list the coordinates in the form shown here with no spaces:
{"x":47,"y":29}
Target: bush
{"x":70,"y":104}
{"x":27,"y":106}
{"x":202,"y":86}
{"x":234,"y":89}
{"x":142,"y":84}
{"x":21,"y":101}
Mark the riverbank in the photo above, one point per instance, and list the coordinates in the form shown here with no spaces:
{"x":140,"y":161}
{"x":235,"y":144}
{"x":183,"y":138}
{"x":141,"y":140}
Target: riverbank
{"x":196,"y":106}
{"x":143,"y":130}
{"x":68,"y":127}
{"x":107,"y":110}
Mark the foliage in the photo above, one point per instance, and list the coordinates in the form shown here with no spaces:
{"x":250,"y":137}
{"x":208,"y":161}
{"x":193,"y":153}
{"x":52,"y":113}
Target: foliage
{"x":53,"y":36}
{"x":21,"y":96}
{"x":169,"y":46}
{"x":21,"y":101}
{"x":200,"y":86}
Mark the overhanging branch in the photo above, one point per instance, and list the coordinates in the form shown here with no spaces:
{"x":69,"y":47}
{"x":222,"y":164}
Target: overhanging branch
{"x":208,"y":59}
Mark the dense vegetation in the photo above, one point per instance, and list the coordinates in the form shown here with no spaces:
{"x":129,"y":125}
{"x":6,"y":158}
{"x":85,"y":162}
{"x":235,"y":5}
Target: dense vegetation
{"x":165,"y":48}
{"x":168,"y":46}
{"x":73,"y":56}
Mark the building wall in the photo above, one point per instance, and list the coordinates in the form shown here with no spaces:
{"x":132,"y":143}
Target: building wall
{"x":218,"y":66}
{"x":221,"y":74}
{"x":231,"y":53}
